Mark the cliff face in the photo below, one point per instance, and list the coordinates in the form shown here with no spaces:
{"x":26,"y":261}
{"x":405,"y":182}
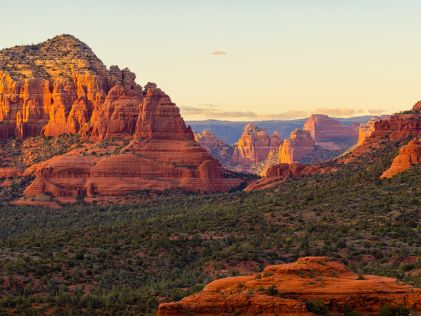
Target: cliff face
{"x":50,"y":88}
{"x":284,"y":290}
{"x":379,"y":133}
{"x":215,"y":146}
{"x":134,"y":138}
{"x":299,"y":145}
{"x":252,"y":147}
{"x":163,"y":155}
{"x":391,"y":129}
{"x":329,"y":133}
{"x":365,"y":130}
{"x":409,"y":155}
{"x":275,"y":142}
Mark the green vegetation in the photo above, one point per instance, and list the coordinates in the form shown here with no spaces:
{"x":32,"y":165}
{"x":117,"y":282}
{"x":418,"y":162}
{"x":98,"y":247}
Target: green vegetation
{"x":394,"y":311}
{"x":125,"y":259}
{"x":317,"y":307}
{"x":26,"y":152}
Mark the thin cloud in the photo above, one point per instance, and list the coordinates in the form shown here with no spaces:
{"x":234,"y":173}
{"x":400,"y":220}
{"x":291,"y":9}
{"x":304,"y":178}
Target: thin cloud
{"x":219,"y":53}
{"x":210,"y":111}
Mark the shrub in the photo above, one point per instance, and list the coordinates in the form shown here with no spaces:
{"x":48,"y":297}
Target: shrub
{"x":317,"y":307}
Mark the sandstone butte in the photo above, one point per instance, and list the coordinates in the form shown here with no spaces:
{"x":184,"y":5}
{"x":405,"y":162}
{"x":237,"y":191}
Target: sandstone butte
{"x":285,"y":289}
{"x":329,"y":133}
{"x":60,"y":86}
{"x":299,"y":145}
{"x":384,"y":130}
{"x":409,"y":155}
{"x":272,"y":158}
{"x":215,"y":146}
{"x":252,"y":147}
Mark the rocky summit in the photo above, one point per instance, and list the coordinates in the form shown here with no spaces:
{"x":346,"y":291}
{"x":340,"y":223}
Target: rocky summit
{"x":132,"y":138}
{"x":330,"y":133}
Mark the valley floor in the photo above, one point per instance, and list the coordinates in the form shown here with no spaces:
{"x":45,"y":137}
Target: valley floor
{"x":126,"y":259}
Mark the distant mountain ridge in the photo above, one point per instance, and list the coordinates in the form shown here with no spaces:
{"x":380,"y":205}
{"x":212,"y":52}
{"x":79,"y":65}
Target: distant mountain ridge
{"x":230,"y":131}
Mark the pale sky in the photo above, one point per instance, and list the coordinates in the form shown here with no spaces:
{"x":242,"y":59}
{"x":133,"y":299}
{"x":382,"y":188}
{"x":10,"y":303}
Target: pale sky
{"x":246,"y":59}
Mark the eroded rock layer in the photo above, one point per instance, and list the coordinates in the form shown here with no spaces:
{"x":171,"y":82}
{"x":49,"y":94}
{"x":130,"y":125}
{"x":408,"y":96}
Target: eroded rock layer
{"x":329,"y":133}
{"x":383,"y":132}
{"x":299,"y":145}
{"x":253,"y":146}
{"x":133,"y":138}
{"x":286,"y":288}
{"x":409,"y":155}
{"x":215,"y":146}
{"x":163,"y":155}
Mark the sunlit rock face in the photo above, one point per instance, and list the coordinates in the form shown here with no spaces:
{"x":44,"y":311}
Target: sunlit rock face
{"x":409,"y":155}
{"x":61,"y":87}
{"x":285,"y":289}
{"x":299,"y":144}
{"x":253,"y":145}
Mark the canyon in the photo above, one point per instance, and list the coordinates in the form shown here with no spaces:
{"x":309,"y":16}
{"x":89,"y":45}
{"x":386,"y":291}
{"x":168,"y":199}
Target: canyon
{"x":383,"y":134}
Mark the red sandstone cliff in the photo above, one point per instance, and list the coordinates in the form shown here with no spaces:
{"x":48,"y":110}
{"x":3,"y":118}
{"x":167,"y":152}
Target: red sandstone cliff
{"x":286,"y":288}
{"x":409,"y":155}
{"x":252,"y":147}
{"x":329,"y":133}
{"x":162,"y":155}
{"x":299,"y":145}
{"x":134,"y":138}
{"x":215,"y":146}
{"x":384,"y":132}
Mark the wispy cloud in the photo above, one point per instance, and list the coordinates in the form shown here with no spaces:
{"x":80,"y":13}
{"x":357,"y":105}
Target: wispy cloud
{"x":219,"y":53}
{"x":210,"y":111}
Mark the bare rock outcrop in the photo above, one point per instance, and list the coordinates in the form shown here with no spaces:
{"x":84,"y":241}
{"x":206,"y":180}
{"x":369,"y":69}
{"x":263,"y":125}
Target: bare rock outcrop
{"x":163,"y":155}
{"x":329,"y":133}
{"x":252,"y":147}
{"x":133,"y":138}
{"x":286,"y":289}
{"x":215,"y":146}
{"x":299,"y":145}
{"x":409,"y":155}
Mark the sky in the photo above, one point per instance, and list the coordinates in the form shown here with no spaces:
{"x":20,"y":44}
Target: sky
{"x":246,"y":59}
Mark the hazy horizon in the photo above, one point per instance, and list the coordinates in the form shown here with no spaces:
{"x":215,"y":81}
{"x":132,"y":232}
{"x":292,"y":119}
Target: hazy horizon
{"x":247,"y":60}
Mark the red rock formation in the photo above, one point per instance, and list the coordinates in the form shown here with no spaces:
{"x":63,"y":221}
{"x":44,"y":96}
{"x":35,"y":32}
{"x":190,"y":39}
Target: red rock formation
{"x":275,"y":142}
{"x":395,"y":128}
{"x":409,"y":155}
{"x":252,"y":147}
{"x":215,"y":146}
{"x":60,"y":86}
{"x":286,"y":288}
{"x":281,"y":172}
{"x":50,"y":88}
{"x":118,"y":116}
{"x":294,"y":149}
{"x":273,"y":156}
{"x":163,"y":155}
{"x":417,"y":107}
{"x":330,"y":133}
{"x":365,"y":130}
{"x":160,"y":119}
